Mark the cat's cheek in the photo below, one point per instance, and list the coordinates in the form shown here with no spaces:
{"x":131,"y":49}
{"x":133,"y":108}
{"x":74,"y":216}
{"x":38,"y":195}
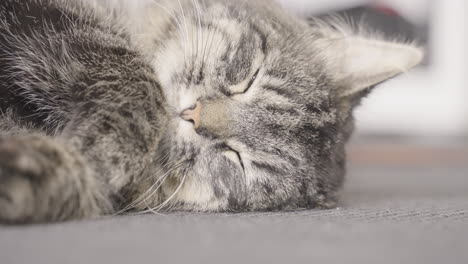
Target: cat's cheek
{"x":199,"y":196}
{"x":213,"y":184}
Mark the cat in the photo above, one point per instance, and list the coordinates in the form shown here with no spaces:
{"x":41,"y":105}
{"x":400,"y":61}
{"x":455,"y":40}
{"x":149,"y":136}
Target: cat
{"x":193,"y":105}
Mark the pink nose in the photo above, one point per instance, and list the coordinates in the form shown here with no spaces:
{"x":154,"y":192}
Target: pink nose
{"x":192,"y":115}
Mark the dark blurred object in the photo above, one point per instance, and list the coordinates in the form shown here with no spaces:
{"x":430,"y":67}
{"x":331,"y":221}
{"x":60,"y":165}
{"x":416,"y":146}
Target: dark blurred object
{"x":386,"y":20}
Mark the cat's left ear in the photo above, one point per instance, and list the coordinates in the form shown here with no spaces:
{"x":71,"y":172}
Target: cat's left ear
{"x":361,"y":63}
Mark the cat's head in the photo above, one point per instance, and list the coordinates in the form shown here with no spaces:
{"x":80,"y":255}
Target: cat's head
{"x":261,"y":102}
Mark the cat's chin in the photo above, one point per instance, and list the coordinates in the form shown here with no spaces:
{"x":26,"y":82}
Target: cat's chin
{"x":194,"y":195}
{"x":186,"y":132}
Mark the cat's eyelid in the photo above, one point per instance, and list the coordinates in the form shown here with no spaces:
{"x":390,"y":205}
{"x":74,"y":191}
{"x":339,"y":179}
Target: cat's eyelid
{"x":245,"y":86}
{"x":252,"y":80}
{"x":249,"y":85}
{"x":238,"y":156}
{"x":255,"y":75}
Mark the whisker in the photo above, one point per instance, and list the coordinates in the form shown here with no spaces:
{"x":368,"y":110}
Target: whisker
{"x":159,"y":207}
{"x":200,"y":29}
{"x":172,"y":14}
{"x":185,"y":26}
{"x":159,"y":184}
{"x":152,"y":189}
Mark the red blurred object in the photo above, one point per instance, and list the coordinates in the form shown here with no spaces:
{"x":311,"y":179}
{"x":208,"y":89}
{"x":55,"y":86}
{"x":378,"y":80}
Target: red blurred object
{"x":384,"y":9}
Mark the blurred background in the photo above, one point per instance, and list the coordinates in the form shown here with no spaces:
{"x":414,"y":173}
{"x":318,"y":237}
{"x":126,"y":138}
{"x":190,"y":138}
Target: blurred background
{"x":429,"y":102}
{"x":420,"y":118}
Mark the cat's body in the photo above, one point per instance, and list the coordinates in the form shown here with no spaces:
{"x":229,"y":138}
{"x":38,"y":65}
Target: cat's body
{"x":209,"y":105}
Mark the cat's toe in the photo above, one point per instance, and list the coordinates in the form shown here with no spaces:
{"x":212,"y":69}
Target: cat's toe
{"x":16,"y":196}
{"x":19,"y":158}
{"x":21,"y":178}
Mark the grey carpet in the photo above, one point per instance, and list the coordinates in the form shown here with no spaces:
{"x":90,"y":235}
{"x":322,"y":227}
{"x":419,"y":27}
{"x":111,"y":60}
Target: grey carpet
{"x":388,"y":215}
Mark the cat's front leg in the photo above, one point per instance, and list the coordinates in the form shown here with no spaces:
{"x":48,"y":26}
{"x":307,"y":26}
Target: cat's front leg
{"x":108,"y":145}
{"x":42,"y":179}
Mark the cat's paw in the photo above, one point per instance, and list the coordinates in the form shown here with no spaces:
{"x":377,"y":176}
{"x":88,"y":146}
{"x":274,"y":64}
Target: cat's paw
{"x":22,"y":178}
{"x":34,"y":179}
{"x":16,"y":196}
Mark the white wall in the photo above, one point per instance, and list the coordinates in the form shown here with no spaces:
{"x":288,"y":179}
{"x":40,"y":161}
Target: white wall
{"x":431,"y":101}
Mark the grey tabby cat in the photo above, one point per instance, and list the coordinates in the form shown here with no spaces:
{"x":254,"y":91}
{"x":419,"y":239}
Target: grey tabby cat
{"x":199,"y":105}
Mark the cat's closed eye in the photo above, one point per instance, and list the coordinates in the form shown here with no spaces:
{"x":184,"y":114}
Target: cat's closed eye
{"x":252,"y":81}
{"x":234,"y":156}
{"x":249,"y":85}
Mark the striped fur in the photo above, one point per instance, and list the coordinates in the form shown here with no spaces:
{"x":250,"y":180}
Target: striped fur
{"x":92,"y":93}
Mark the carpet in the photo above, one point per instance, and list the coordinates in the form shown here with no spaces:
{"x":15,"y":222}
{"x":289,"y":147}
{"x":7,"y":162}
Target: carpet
{"x":390,"y":213}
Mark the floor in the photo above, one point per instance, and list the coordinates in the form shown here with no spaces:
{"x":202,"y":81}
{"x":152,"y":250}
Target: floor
{"x":402,"y":204}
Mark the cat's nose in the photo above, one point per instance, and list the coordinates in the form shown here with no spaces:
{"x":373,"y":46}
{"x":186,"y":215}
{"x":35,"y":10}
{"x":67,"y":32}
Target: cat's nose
{"x":192,"y":115}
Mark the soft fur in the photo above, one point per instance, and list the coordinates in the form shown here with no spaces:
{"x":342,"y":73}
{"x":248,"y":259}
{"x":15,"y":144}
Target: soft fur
{"x":92,"y":94}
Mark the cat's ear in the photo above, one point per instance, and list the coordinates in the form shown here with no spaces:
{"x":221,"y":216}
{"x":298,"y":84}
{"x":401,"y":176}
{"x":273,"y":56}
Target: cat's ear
{"x":361,"y":63}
